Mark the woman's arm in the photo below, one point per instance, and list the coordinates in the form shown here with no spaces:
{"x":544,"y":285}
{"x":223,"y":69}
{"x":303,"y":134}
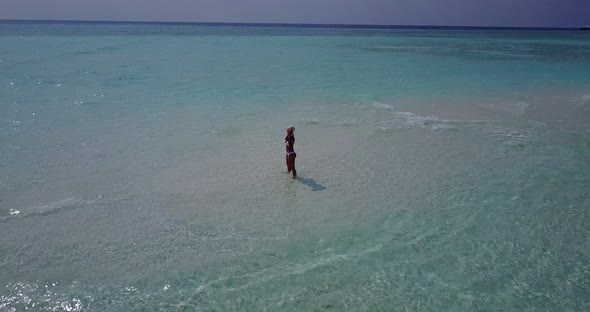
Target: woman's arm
{"x":290,"y":141}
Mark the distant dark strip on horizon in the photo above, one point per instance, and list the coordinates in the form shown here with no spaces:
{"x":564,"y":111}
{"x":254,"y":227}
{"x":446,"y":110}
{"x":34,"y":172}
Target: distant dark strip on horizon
{"x":294,"y":25}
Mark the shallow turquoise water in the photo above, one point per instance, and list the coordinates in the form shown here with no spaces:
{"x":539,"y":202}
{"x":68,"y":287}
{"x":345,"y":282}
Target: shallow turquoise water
{"x":142,"y":168}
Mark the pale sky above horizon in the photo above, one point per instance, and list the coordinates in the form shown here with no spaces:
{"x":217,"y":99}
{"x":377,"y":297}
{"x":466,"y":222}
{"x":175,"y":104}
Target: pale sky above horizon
{"x":517,"y":13}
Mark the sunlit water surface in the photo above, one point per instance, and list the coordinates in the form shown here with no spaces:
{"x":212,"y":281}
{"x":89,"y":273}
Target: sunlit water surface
{"x":142,"y":169}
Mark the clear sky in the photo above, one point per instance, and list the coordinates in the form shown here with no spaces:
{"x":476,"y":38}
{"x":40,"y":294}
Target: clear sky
{"x":535,"y":13}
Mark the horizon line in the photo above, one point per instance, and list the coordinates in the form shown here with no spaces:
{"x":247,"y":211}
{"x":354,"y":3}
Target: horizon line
{"x":290,"y":24}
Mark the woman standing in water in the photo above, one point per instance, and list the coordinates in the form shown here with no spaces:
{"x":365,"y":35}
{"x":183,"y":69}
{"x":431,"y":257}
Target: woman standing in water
{"x":289,"y":144}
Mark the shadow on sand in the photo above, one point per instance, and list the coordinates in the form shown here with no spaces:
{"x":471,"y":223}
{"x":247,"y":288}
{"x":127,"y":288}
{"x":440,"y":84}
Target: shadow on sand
{"x":311,"y":183}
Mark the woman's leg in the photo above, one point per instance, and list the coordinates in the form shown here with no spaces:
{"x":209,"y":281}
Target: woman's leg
{"x":288,"y":163}
{"x":292,"y":158}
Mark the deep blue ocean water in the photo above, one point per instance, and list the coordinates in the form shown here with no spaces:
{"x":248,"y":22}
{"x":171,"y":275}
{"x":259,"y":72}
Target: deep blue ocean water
{"x":142,"y":168}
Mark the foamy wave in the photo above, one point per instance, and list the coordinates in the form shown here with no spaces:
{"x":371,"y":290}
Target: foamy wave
{"x":509,"y":136}
{"x":404,"y":120}
{"x":517,"y":108}
{"x":310,"y":121}
{"x":299,"y":269}
{"x":584,"y":99}
{"x":60,"y":204}
{"x":383,"y":106}
{"x":13,"y":212}
{"x":66,"y":203}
